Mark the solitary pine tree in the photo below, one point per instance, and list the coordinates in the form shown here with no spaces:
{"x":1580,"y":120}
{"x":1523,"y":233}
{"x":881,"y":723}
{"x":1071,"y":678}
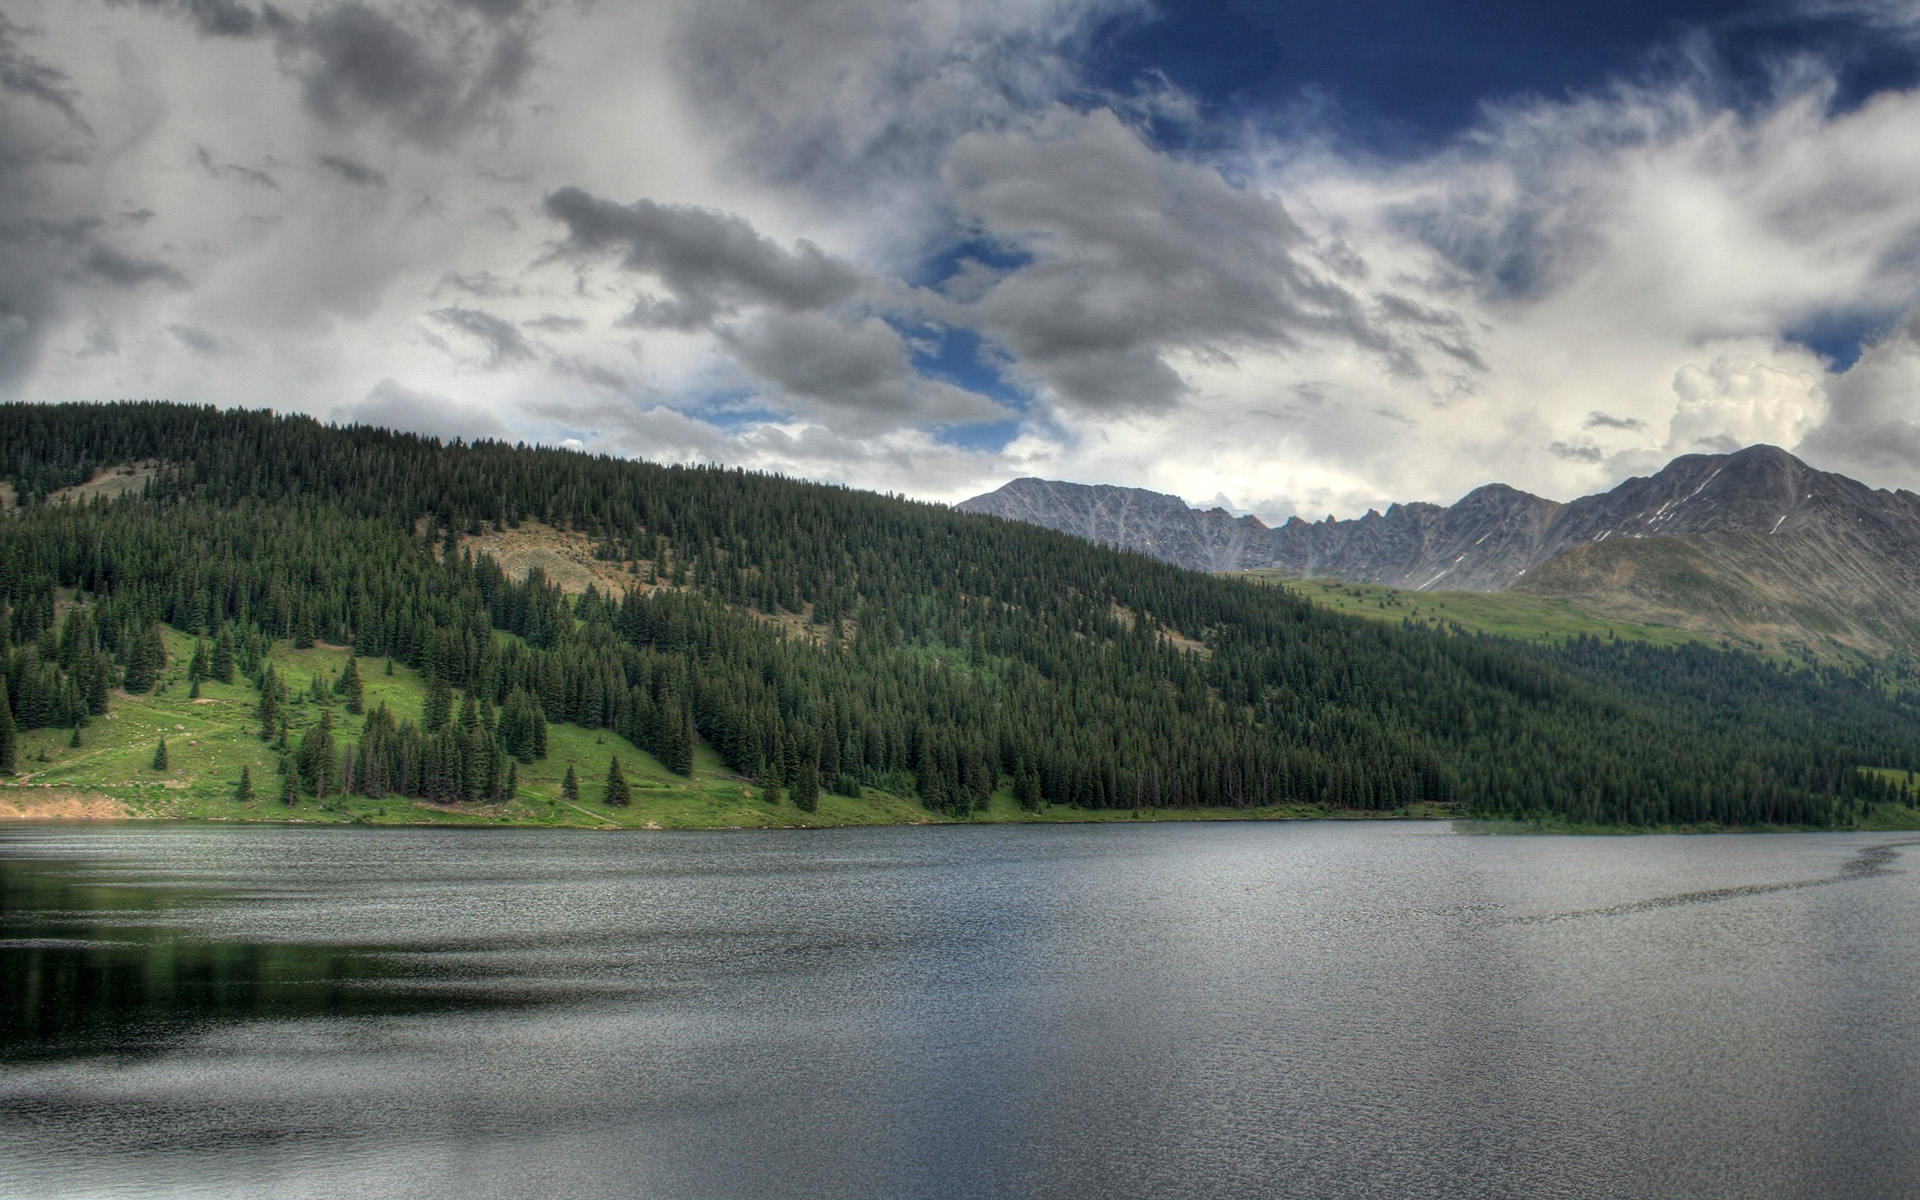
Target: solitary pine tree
{"x":570,"y":786}
{"x":200,"y":666}
{"x":160,"y":756}
{"x":351,"y":687}
{"x":73,"y":743}
{"x":617,"y":794}
{"x":243,"y":794}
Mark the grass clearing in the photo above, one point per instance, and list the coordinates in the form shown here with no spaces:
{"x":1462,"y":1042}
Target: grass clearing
{"x":1500,"y":614}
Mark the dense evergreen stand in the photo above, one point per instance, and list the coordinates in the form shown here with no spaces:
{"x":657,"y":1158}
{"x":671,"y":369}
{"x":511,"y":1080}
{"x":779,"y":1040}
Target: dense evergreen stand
{"x":822,"y":638}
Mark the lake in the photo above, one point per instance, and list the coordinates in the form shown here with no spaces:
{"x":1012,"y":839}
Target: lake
{"x":1158,"y":1010}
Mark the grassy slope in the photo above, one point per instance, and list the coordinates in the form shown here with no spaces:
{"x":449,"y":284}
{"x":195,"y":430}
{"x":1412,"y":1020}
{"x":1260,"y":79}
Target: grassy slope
{"x":210,"y":739}
{"x":1504,"y":614}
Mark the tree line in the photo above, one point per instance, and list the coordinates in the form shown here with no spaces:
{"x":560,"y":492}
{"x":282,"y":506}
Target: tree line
{"x":823,"y":638}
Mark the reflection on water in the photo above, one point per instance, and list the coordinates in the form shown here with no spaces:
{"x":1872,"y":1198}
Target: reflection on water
{"x":90,"y":965}
{"x":1312,"y":1010}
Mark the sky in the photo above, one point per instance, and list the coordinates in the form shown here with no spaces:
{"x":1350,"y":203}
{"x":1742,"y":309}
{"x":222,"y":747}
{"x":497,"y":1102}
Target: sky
{"x":1304,"y":257}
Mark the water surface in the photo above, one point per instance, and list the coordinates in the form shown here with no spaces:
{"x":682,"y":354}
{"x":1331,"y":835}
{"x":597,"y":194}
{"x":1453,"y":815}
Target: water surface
{"x":1313,"y":1009}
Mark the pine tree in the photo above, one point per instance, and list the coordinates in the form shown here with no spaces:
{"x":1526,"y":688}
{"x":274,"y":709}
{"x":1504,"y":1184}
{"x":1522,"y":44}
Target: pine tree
{"x":350,"y":686}
{"x":223,"y":656}
{"x":73,"y":743}
{"x":160,"y":756}
{"x":806,"y":785}
{"x":570,"y":786}
{"x":142,"y":667}
{"x":289,"y":782}
{"x":200,"y":666}
{"x":772,"y":794}
{"x":193,"y":692}
{"x":512,"y":787}
{"x":243,"y":794}
{"x":8,"y":739}
{"x":617,"y":794}
{"x":437,"y":710}
{"x":269,"y":704}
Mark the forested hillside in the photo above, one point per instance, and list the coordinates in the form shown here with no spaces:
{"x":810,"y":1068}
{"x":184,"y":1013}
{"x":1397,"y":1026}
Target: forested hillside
{"x":818,"y":637}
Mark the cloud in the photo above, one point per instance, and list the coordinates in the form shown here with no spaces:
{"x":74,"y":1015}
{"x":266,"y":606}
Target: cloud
{"x":1737,"y":400}
{"x":396,"y":406}
{"x":503,"y":339}
{"x":1600,"y":420}
{"x":862,"y":98}
{"x":1871,"y":425}
{"x":857,"y":369}
{"x":124,"y":270}
{"x":355,"y":173}
{"x":711,"y":263}
{"x":213,"y":18}
{"x":1136,"y":255}
{"x":217,"y":170}
{"x":1581,"y":452}
{"x":21,"y":74}
{"x":1568,"y":292}
{"x":357,"y":63}
{"x":198,"y":340}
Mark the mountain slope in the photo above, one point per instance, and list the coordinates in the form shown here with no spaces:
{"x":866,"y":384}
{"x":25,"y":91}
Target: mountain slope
{"x":1754,"y":543}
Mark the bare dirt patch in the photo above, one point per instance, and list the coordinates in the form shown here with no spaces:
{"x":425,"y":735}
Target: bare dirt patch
{"x":59,"y":804}
{"x":565,"y":558}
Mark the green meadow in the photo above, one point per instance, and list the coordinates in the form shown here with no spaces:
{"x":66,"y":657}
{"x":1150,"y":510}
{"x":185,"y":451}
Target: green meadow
{"x":1500,"y":614}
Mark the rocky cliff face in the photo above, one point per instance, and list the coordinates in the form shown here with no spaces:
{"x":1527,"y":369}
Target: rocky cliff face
{"x":1495,"y":535}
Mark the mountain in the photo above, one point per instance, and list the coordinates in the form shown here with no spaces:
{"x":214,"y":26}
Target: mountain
{"x":1755,"y":543}
{"x":745,"y":639}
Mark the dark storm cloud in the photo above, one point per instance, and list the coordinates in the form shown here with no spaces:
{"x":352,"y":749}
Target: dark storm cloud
{"x":124,"y":270}
{"x":859,"y":368}
{"x":711,"y":262}
{"x":428,"y":77}
{"x":355,"y":173}
{"x":357,"y":63}
{"x":213,"y":18}
{"x":1136,"y":255}
{"x":503,"y":339}
{"x":1600,"y":420}
{"x":197,"y":340}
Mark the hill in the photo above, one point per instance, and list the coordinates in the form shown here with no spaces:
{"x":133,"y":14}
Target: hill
{"x":803,"y":642}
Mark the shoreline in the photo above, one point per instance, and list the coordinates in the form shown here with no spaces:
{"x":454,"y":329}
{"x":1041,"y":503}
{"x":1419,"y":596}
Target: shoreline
{"x":67,"y":806}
